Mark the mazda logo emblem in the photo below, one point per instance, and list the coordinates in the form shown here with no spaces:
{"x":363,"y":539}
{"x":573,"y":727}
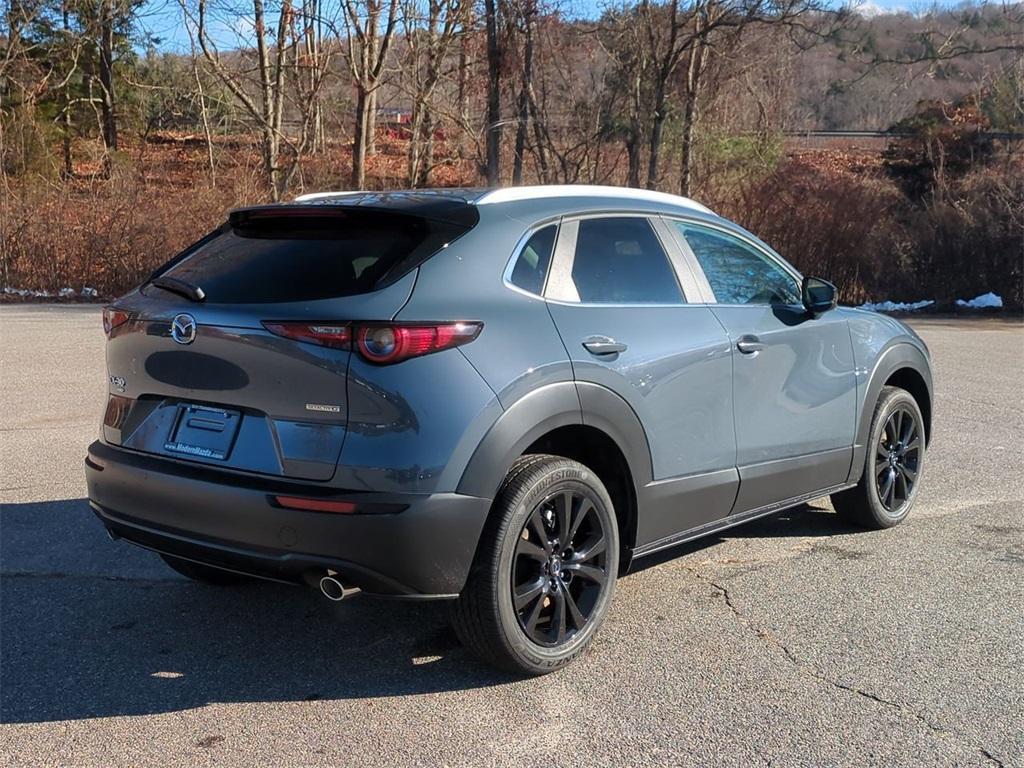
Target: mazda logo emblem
{"x":183,"y":329}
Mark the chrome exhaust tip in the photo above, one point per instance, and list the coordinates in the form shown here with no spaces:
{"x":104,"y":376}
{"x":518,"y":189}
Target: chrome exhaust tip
{"x":334,"y":590}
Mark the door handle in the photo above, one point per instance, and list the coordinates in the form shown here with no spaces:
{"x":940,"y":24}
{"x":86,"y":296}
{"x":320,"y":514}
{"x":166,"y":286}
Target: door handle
{"x":749,"y":345}
{"x":603,"y":345}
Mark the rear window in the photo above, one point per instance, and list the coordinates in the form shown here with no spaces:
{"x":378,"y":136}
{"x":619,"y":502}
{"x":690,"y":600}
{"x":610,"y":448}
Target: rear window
{"x":269,"y":256}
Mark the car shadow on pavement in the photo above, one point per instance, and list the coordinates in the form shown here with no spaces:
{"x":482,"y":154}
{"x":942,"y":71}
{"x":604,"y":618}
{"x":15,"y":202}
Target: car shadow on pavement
{"x":805,"y":520}
{"x":95,"y":628}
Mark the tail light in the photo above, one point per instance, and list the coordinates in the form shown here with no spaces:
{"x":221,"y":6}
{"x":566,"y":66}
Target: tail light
{"x":335,"y":336}
{"x":385,"y":344}
{"x":381,"y":343}
{"x":113,"y":318}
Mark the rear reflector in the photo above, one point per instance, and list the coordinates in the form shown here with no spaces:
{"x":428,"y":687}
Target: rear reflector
{"x":117,"y":411}
{"x":316,"y":505}
{"x":380,"y":343}
{"x":337,"y":507}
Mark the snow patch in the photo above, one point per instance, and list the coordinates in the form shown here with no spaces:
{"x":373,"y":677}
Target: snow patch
{"x":985,"y":301}
{"x":897,"y":306}
{"x":63,"y":293}
{"x":26,"y":293}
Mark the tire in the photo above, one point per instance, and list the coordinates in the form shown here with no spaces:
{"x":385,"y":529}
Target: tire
{"x":522,"y":549}
{"x":893,"y":464}
{"x":204,"y":574}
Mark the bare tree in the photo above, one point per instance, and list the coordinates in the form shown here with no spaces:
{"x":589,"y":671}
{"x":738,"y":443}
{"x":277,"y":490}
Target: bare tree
{"x":495,"y":54}
{"x":315,"y":62}
{"x":371,"y":27}
{"x":526,"y":13}
{"x":106,"y":21}
{"x":432,"y":28}
{"x":569,"y":106}
{"x":624,"y":41}
{"x":275,"y":56}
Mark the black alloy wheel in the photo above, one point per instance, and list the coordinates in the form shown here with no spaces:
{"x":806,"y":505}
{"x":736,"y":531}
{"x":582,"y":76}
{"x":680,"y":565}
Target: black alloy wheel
{"x":897,"y":458}
{"x":560,"y":568}
{"x":893,"y":463}
{"x":544,"y":573}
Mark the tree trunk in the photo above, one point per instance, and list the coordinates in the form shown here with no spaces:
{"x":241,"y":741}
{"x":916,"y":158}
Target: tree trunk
{"x":371,"y":123}
{"x":267,"y":108}
{"x":540,"y":137}
{"x":492,"y":169}
{"x":633,"y":155}
{"x":108,"y":101}
{"x":69,"y":168}
{"x":465,"y":61}
{"x":657,"y":128}
{"x":312,"y":37}
{"x":358,"y":180}
{"x":523,"y":123}
{"x":634,"y":136}
{"x":666,"y":67}
{"x":204,"y":114}
{"x":694,"y":72}
{"x":415,"y":158}
{"x":279,"y":175}
{"x":427,"y":158}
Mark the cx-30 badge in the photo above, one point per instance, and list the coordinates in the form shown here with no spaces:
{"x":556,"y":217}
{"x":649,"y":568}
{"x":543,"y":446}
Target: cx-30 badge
{"x":183,"y":329}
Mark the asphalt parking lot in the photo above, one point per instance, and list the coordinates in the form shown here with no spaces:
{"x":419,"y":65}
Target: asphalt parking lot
{"x":789,"y":641}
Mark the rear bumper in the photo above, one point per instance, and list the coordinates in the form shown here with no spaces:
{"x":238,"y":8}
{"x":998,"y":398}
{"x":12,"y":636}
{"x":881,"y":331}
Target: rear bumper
{"x":228,"y":521}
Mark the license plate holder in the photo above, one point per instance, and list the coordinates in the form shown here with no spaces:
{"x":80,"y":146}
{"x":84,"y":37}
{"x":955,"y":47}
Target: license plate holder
{"x":203,"y":432}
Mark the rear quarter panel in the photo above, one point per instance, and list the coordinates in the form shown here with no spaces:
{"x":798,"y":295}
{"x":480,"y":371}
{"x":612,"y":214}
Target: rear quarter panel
{"x":519,"y":349}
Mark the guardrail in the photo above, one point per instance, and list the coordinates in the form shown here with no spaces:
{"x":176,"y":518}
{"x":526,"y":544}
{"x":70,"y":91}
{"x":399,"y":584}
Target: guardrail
{"x":1002,"y":135}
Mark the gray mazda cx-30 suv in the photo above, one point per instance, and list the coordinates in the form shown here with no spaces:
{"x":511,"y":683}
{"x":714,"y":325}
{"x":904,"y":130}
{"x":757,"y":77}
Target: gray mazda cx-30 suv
{"x":497,"y":398}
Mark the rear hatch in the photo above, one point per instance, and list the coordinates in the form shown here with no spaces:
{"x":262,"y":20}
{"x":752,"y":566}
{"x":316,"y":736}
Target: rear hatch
{"x":234,"y":354}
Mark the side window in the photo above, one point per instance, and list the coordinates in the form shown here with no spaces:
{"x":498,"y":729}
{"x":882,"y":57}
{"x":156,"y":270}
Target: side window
{"x":619,"y":260}
{"x":532,"y":265}
{"x":739,"y":274}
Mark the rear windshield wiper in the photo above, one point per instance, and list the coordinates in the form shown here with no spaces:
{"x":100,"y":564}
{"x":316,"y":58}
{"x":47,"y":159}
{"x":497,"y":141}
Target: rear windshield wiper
{"x":180,"y":287}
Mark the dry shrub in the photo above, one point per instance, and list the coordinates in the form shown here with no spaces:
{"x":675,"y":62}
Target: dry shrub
{"x":103,"y":234}
{"x":863,"y":233}
{"x":972,"y":241}
{"x":108,"y":233}
{"x":835,"y":216}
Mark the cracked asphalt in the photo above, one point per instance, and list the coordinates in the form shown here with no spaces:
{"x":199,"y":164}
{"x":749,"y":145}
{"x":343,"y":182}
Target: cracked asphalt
{"x":790,"y":641}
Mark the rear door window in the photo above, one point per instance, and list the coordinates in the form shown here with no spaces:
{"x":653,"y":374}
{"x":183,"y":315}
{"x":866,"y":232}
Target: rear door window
{"x":289,"y":256}
{"x":619,"y":260}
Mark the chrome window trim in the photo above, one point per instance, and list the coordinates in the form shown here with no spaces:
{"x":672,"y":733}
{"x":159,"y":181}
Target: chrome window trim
{"x":560,"y":284}
{"x":506,"y":276}
{"x":562,"y":290}
{"x":763,"y":250}
{"x":689,"y":282}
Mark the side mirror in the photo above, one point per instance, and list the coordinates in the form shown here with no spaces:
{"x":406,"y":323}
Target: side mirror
{"x":818,"y":295}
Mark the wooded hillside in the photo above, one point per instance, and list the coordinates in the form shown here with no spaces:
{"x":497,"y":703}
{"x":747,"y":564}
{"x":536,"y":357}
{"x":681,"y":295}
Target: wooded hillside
{"x":117,"y":150}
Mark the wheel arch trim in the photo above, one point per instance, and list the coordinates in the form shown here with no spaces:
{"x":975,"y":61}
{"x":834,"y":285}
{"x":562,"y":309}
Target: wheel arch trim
{"x":556,"y":405}
{"x":900,"y":355}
